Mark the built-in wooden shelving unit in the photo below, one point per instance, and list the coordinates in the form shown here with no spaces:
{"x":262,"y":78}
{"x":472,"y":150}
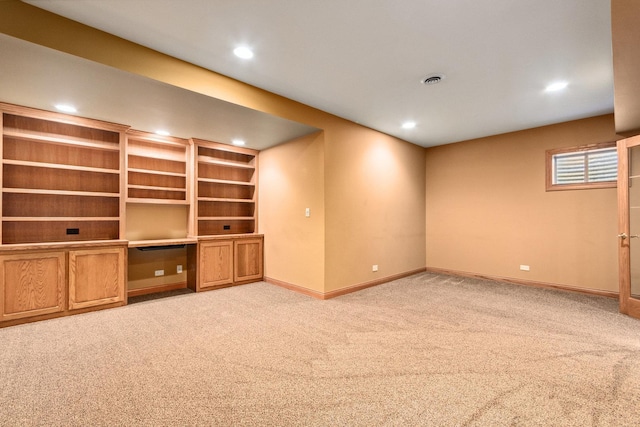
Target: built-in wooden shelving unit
{"x":60,"y":177}
{"x":158,"y":169}
{"x":68,"y":186}
{"x":226,"y":189}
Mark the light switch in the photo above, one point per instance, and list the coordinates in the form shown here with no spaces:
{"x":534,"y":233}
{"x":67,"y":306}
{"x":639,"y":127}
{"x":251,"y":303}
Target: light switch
{"x":307,"y":212}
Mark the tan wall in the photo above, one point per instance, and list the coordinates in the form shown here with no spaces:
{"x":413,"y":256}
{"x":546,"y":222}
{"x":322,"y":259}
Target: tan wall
{"x":358,"y":231}
{"x":291,"y":180}
{"x":488,"y":211}
{"x":152,"y":222}
{"x":375,"y":204}
{"x":366,"y":192}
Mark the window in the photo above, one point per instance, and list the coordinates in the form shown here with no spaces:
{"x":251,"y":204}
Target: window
{"x":589,"y":166}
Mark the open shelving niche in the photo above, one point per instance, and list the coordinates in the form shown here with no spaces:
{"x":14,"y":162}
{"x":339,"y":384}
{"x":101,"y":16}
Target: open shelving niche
{"x":226,"y":189}
{"x":158,"y":169}
{"x":61,"y":177}
{"x":159,"y":199}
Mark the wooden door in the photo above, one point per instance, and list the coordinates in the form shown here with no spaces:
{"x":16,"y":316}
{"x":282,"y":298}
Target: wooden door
{"x":248,"y":260}
{"x":215,"y":264}
{"x":629,"y":225}
{"x":31,"y":284}
{"x":96,"y":277}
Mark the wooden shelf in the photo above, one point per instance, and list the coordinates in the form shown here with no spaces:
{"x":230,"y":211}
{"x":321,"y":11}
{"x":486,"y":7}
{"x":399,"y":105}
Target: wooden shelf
{"x":58,"y":218}
{"x":33,"y":153}
{"x":225,"y":189}
{"x":157,"y":164}
{"x":225,"y":173}
{"x":224,"y":152}
{"x":157,"y":172}
{"x":152,"y":201}
{"x":156,"y":195}
{"x":58,"y":192}
{"x":61,"y":177}
{"x":214,"y":209}
{"x":225,"y":218}
{"x":213,"y":227}
{"x":44,"y":230}
{"x":218,"y":199}
{"x":158,"y":168}
{"x":226,"y":182}
{"x":208,"y":189}
{"x":151,"y":187}
{"x":59,"y":205}
{"x":60,"y":166}
{"x":48,"y":138}
{"x":227,"y":163}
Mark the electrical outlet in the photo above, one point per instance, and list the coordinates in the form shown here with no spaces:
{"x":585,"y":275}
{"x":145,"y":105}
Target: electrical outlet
{"x":179,"y":269}
{"x":524,"y":267}
{"x":375,"y":267}
{"x":159,"y":272}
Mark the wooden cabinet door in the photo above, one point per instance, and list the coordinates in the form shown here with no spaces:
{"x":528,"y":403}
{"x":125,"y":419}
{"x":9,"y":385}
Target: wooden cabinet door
{"x":215,"y":264}
{"x":96,"y":277}
{"x":248,"y":259}
{"x":31,"y":284}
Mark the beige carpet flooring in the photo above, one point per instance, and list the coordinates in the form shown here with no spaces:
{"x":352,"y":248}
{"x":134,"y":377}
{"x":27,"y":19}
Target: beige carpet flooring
{"x":428,"y":350}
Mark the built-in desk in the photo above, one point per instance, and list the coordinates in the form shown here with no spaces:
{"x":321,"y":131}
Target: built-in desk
{"x":212,"y":262}
{"x":164,"y":255}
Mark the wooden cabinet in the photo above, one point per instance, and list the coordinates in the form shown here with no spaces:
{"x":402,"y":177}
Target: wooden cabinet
{"x":96,"y":277}
{"x":40,"y":281}
{"x":158,"y":169}
{"x":32,"y":284}
{"x":247,"y":257}
{"x":229,"y":261}
{"x":60,"y":177}
{"x":216,"y":264}
{"x":225,"y":189}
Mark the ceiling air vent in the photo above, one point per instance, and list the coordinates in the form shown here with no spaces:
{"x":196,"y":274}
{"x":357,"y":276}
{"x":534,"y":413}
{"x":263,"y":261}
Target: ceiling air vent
{"x":432,"y":79}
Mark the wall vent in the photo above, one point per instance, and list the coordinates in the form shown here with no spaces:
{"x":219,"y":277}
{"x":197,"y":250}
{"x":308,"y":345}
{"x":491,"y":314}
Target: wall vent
{"x":432,"y":79}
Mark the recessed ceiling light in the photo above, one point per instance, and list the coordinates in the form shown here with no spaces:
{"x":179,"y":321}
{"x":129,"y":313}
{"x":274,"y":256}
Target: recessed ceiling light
{"x":238,"y":142}
{"x":162,"y":132}
{"x":243,"y":52}
{"x":408,"y":125}
{"x":66,"y":108}
{"x":554,"y":87}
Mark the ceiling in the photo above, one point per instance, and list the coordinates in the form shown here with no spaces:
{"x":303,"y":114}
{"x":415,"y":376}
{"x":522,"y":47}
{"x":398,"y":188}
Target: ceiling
{"x":364,"y":59}
{"x":40,"y":77}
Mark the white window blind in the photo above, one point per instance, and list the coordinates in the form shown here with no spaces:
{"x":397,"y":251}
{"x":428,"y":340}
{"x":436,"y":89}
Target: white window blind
{"x":589,"y":166}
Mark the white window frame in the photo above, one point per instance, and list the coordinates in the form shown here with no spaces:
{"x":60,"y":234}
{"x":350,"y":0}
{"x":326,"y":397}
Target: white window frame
{"x":552,"y":155}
